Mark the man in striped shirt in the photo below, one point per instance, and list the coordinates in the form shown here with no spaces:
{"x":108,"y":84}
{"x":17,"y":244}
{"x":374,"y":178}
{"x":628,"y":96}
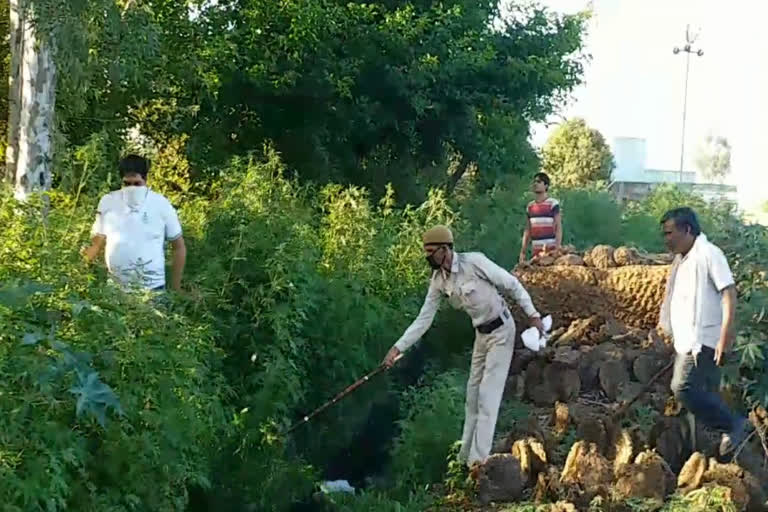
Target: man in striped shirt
{"x":543,"y":225}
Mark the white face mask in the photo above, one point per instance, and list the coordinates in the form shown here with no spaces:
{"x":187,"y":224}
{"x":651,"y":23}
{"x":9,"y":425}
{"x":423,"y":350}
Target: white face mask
{"x":134,"y":196}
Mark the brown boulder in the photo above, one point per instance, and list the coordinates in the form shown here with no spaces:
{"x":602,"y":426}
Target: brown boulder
{"x":503,"y":444}
{"x":624,"y":451}
{"x":520,"y":360}
{"x":744,"y":490}
{"x":612,"y":328}
{"x":581,"y":331}
{"x":546,"y":383}
{"x":601,"y":256}
{"x":612,"y":375}
{"x":671,"y":439}
{"x":756,"y":487}
{"x":597,"y":429}
{"x":586,"y":466}
{"x":646,"y":366}
{"x":547,"y":485}
{"x":589,"y":364}
{"x":569,"y":384}
{"x":624,"y":256}
{"x":627,"y":256}
{"x":587,"y":473}
{"x":692,"y":472}
{"x":568,"y":356}
{"x":560,"y":419}
{"x":543,"y":260}
{"x":532,"y":456}
{"x":500,"y":479}
{"x":629,"y":390}
{"x":570,"y":259}
{"x":562,"y":506}
{"x":646,"y":478}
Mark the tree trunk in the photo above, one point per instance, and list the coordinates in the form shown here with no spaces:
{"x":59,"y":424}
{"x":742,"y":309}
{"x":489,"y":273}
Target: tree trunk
{"x":31,"y":105}
{"x":14,"y":91}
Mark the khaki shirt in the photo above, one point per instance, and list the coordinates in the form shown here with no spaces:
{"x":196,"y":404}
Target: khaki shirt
{"x":473,"y":285}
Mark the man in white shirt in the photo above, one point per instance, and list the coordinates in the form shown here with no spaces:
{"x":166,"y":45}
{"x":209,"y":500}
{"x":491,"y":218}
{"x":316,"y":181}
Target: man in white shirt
{"x":699,"y":311}
{"x":474,"y":283}
{"x":132,"y":225}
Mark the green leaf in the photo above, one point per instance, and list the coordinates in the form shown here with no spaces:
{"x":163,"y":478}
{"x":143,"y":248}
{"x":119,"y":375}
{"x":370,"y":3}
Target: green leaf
{"x":16,"y":296}
{"x":94,"y":397}
{"x":32,"y":338}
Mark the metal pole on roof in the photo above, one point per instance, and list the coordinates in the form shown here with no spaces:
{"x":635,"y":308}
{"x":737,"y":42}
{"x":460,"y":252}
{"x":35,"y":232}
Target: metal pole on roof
{"x":688,"y":49}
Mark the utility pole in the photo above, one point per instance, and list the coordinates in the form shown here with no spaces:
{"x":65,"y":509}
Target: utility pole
{"x":688,"y":49}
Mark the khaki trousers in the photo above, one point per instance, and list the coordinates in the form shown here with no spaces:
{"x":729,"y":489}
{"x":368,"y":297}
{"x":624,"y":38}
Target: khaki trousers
{"x":491,"y":357}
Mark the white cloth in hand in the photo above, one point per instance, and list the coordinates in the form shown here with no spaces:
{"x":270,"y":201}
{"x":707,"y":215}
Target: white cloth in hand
{"x":533,"y":339}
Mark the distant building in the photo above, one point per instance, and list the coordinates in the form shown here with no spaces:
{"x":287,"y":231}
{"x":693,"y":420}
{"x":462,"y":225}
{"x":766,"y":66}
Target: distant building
{"x":632,"y":180}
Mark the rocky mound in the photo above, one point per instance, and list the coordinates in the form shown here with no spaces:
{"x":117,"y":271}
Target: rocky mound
{"x":600,"y":256}
{"x":605,"y":284}
{"x":582,"y":441}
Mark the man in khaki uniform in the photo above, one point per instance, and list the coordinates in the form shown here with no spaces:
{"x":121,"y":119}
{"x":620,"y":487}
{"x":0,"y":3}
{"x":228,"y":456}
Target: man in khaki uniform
{"x":474,"y":283}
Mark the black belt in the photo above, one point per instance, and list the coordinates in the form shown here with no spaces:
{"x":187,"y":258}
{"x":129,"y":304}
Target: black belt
{"x":489,"y":327}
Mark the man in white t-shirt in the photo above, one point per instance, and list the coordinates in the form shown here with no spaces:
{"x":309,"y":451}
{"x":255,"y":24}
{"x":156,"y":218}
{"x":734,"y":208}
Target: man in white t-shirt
{"x":132,"y":225}
{"x":699,"y":311}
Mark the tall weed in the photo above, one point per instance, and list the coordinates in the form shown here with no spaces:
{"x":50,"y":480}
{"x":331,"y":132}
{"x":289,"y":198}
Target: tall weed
{"x":111,"y":400}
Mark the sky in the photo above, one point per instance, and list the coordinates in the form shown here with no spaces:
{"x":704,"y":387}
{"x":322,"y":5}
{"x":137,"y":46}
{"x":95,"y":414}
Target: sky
{"x":634,"y":83}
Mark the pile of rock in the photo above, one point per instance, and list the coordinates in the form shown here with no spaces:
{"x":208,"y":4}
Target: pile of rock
{"x":631,"y":295}
{"x":613,"y":463}
{"x":600,"y":256}
{"x":616,"y":370}
{"x":603,"y":350}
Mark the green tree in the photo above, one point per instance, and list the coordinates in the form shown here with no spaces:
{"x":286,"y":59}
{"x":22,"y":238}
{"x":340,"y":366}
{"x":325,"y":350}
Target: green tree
{"x":121,"y":64}
{"x":408,"y":93}
{"x":713,"y":158}
{"x":576,"y":155}
{"x":372,"y":93}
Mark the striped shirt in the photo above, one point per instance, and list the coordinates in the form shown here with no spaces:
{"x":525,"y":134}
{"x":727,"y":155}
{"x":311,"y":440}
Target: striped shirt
{"x":542,"y":220}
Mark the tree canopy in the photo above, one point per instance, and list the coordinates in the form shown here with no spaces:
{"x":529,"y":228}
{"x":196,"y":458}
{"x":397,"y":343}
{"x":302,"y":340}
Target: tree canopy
{"x":576,"y":155}
{"x":713,"y":158}
{"x":348,"y":92}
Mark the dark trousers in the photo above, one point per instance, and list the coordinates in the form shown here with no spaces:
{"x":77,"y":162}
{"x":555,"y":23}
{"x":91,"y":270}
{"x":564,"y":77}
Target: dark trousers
{"x":696,"y":384}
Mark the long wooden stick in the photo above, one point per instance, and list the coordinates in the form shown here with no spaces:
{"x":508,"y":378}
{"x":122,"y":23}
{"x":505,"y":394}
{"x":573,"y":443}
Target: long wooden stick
{"x":359,"y":382}
{"x":626,"y":405}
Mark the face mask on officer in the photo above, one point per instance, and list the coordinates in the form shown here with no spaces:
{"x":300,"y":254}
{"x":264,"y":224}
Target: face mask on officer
{"x":432,"y":260}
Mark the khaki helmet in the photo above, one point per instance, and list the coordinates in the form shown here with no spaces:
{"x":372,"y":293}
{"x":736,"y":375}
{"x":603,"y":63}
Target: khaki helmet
{"x":437,"y":235}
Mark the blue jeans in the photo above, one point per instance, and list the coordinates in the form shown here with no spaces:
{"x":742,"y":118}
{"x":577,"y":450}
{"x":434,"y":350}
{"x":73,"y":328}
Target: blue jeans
{"x":695,"y":385}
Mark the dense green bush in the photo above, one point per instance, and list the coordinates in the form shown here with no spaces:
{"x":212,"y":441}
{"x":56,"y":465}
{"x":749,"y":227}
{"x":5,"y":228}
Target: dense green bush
{"x":307,"y":289}
{"x":432,"y":421}
{"x":377,"y":501}
{"x":111,"y":401}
